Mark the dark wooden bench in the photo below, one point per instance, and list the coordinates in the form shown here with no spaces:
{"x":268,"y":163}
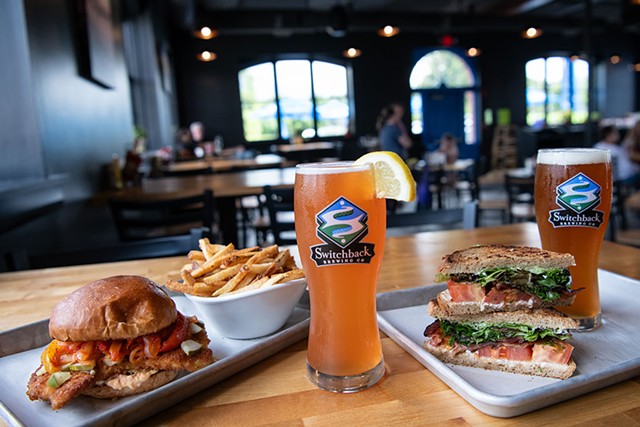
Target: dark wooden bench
{"x":29,"y":200}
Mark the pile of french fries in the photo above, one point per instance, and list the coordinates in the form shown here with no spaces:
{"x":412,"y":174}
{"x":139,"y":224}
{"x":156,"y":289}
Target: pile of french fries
{"x":217,"y":270}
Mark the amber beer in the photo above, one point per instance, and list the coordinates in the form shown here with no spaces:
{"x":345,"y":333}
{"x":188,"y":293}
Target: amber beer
{"x":340,"y":229}
{"x":573,"y":200}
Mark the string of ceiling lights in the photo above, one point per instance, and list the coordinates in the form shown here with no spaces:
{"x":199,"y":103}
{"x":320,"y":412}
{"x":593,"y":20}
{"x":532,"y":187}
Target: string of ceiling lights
{"x":388,"y":31}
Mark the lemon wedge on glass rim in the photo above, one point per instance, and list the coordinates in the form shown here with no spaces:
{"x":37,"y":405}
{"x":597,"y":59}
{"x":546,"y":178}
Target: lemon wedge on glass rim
{"x":393,"y":177}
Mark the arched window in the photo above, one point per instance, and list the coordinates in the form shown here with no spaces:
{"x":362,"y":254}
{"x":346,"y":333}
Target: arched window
{"x":444,"y":69}
{"x":284,"y":98}
{"x":441,"y":68}
{"x":557,"y":91}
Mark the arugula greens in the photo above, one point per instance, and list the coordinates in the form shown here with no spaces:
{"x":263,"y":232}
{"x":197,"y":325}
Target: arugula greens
{"x":546,"y":284}
{"x":481,"y":332}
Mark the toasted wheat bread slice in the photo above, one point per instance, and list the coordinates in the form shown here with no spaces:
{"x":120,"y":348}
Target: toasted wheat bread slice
{"x":548,"y":318}
{"x":478,"y":258}
{"x":472,"y":359}
{"x":477,"y":307}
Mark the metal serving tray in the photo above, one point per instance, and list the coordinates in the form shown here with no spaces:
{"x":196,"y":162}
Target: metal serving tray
{"x":608,"y":355}
{"x":20,"y":350}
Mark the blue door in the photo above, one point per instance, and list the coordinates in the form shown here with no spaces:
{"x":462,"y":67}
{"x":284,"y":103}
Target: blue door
{"x":442,"y":112}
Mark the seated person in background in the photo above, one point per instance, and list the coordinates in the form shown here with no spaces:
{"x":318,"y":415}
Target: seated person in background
{"x":185,"y":146}
{"x":449,"y":146}
{"x":197,"y":132}
{"x":392,"y":132}
{"x":624,"y":170}
{"x":632,"y":143}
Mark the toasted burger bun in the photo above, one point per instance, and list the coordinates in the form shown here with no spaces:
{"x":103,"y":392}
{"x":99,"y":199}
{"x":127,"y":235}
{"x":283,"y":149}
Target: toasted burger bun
{"x":478,"y":258}
{"x":154,"y":381}
{"x":468,"y":358}
{"x":117,"y":307}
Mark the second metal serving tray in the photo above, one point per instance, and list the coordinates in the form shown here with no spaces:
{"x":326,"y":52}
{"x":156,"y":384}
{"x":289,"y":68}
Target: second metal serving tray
{"x":605,"y":356}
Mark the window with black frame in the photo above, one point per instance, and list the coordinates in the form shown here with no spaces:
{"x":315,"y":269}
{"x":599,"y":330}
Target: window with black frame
{"x":557,"y":91}
{"x":294,"y":98}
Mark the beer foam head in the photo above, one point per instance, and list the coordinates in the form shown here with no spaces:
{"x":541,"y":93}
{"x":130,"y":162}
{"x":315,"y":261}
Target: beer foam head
{"x":330,"y":167}
{"x":573,"y":156}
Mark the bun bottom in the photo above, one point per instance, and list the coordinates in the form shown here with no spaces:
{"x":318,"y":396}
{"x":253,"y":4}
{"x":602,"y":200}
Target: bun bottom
{"x":468,"y":358}
{"x":154,"y":381}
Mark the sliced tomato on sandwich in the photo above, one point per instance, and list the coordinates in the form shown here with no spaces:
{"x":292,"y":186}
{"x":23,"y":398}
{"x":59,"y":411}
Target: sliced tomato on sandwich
{"x":508,"y":352}
{"x":557,"y":352}
{"x":465,"y":292}
{"x":178,"y":334}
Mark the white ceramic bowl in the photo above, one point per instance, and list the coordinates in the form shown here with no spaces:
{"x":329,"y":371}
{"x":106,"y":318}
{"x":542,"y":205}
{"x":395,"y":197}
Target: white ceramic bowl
{"x":250,"y":314}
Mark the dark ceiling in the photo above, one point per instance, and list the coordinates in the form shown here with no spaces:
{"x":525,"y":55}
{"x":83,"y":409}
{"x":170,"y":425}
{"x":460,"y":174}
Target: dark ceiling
{"x":286,"y":17}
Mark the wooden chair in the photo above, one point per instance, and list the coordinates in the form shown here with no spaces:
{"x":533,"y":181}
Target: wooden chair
{"x":520,"y":198}
{"x":466,"y":216}
{"x":146,"y":219}
{"x":279,"y":202}
{"x":30,"y":201}
{"x":253,"y":218}
{"x":619,"y":229}
{"x":126,"y":251}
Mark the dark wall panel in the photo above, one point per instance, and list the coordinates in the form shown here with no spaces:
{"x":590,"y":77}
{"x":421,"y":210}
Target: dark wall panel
{"x":81,"y":123}
{"x":19,"y":142}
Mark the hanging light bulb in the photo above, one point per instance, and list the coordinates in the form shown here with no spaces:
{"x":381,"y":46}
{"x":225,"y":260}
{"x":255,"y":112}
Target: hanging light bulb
{"x":473,"y":52}
{"x":207,"y":56}
{"x":531,"y":33}
{"x":206,"y":33}
{"x":352,"y":52}
{"x":388,"y":31}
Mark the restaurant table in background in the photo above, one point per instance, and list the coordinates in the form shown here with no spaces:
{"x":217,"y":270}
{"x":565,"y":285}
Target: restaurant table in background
{"x":226,"y":187}
{"x":307,"y":152}
{"x":447,"y":175}
{"x":495,"y":178}
{"x":276,"y":391}
{"x":224,"y":165}
{"x":457,"y":175}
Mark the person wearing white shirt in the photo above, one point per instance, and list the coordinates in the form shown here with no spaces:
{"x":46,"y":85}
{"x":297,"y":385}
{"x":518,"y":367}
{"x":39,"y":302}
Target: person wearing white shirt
{"x":624,"y":170}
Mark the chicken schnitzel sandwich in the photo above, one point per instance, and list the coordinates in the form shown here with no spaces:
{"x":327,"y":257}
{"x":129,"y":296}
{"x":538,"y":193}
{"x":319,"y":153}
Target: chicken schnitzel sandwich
{"x":116,"y":337}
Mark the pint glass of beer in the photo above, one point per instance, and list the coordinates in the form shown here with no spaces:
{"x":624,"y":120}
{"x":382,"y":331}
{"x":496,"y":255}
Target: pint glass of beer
{"x":573,"y":190}
{"x":340,"y":230}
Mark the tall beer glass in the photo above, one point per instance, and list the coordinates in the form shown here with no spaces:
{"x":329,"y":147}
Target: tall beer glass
{"x":340,"y":229}
{"x":573,"y":200}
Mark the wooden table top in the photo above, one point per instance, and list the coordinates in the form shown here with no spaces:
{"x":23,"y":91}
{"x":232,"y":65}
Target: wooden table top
{"x":227,"y":184}
{"x":220,"y":164}
{"x":276,"y":391}
{"x":307,"y":146}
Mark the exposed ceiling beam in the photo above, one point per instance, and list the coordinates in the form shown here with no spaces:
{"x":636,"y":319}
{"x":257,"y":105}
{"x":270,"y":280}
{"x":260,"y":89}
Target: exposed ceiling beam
{"x":529,"y":5}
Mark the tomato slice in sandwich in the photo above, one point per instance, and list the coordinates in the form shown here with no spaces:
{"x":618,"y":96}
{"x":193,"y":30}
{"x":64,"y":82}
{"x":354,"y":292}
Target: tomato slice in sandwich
{"x":558,"y":352}
{"x":465,"y":292}
{"x":178,"y":334}
{"x":508,"y":352}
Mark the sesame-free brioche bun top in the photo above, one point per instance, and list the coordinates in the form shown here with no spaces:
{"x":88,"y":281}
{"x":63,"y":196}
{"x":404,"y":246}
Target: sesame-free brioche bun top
{"x":117,"y":307}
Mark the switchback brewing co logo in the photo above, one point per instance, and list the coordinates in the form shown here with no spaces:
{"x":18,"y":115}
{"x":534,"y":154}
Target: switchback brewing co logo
{"x":577,"y":198}
{"x":342,"y":225}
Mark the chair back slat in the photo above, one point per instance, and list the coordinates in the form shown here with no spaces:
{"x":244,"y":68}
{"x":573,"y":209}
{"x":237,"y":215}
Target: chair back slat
{"x":445,"y":218}
{"x":151,"y":248}
{"x":520,"y":198}
{"x":279,"y":202}
{"x":143,"y":219}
